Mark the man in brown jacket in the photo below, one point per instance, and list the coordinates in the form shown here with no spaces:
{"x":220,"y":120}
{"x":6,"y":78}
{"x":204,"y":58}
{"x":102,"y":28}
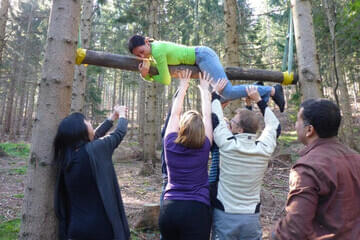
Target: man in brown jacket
{"x":324,"y":197}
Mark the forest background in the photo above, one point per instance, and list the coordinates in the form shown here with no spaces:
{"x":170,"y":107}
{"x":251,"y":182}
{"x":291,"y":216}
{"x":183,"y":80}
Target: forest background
{"x":241,"y":35}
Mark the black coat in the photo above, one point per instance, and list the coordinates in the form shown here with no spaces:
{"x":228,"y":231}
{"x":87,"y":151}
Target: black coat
{"x":100,"y":154}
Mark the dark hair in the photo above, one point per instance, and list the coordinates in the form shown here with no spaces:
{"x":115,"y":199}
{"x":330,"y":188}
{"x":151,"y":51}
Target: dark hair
{"x":323,"y":115}
{"x":71,"y":132}
{"x":135,"y":41}
{"x":248,"y":121}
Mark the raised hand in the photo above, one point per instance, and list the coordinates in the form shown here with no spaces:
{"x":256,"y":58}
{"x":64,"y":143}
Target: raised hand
{"x":121,"y":111}
{"x":144,"y":67}
{"x":205,"y":80}
{"x":220,"y":85}
{"x":253,"y":93}
{"x":184,"y":77}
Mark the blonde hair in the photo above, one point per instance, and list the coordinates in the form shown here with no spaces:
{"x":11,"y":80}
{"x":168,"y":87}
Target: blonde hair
{"x":192,"y":131}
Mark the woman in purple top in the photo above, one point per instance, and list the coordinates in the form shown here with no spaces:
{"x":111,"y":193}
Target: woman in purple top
{"x":185,"y":213}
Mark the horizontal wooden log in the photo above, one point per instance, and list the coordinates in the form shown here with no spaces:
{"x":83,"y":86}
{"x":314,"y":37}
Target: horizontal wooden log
{"x":131,"y":63}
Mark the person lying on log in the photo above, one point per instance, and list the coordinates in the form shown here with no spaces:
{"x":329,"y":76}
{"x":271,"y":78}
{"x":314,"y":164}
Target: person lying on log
{"x":161,"y":54}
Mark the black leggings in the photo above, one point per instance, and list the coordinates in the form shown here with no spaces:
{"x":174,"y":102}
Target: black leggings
{"x":184,"y":220}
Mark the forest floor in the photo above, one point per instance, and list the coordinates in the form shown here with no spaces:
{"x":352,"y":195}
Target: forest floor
{"x":138,"y":190}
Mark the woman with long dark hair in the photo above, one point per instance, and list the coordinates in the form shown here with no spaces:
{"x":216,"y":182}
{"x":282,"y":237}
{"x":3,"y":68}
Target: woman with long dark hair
{"x":160,"y":54}
{"x":185,"y":212}
{"x":88,"y":202}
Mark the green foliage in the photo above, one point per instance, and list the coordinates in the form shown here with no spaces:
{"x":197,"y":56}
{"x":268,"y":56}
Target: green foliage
{"x":10,"y":229}
{"x":20,"y":195}
{"x":18,"y":171}
{"x":286,"y":138}
{"x":295,"y":99}
{"x":21,"y":150}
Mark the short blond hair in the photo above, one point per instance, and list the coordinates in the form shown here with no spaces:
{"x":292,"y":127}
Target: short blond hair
{"x":192,"y":131}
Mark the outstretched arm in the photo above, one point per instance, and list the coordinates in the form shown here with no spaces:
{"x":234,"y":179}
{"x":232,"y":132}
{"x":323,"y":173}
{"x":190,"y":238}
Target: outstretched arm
{"x":113,"y":139}
{"x":206,"y":104}
{"x":268,"y":135}
{"x":173,"y":125}
{"x":101,"y":130}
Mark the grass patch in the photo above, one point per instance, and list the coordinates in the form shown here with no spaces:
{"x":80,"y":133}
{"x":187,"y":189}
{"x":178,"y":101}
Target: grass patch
{"x":133,"y":144}
{"x":292,"y":117}
{"x":18,"y":171}
{"x":20,"y":195}
{"x":9,"y":230}
{"x":287,"y":138}
{"x":20,"y":150}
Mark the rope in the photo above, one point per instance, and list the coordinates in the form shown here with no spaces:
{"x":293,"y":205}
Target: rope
{"x":288,"y":78}
{"x":80,"y":55}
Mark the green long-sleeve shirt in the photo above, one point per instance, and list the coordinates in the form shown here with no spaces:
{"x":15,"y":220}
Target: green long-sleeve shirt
{"x":167,"y":53}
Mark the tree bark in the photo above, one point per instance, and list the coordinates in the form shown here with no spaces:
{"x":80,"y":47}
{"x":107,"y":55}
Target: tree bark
{"x":10,"y":99}
{"x":38,"y":216}
{"x":141,"y":112}
{"x":131,"y":64}
{"x":13,"y":118}
{"x":24,"y":72}
{"x":30,"y":111}
{"x":132,"y":119}
{"x":347,"y":133}
{"x":114,"y":90}
{"x":232,"y":52}
{"x":309,"y":74}
{"x":231,"y":33}
{"x":150,"y":103}
{"x":79,"y":84}
{"x":3,"y":104}
{"x":5,"y":4}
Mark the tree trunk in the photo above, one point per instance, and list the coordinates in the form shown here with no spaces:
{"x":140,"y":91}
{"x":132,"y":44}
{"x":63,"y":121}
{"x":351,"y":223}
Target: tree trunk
{"x":159,"y":120}
{"x":309,"y":75}
{"x":231,"y":34}
{"x":114,"y":90}
{"x":38,"y":216}
{"x":13,"y":118}
{"x":131,"y":64}
{"x":79,"y":84}
{"x":123,"y":92}
{"x":10,"y":100}
{"x":26,"y":106}
{"x":3,"y":104}
{"x":150,"y":103}
{"x":232,"y":52}
{"x":5,"y":4}
{"x":24,"y":72}
{"x":347,"y":133}
{"x":141,"y":112}
{"x":132,"y":119}
{"x":30,"y":110}
{"x":354,"y":90}
{"x":98,"y":106}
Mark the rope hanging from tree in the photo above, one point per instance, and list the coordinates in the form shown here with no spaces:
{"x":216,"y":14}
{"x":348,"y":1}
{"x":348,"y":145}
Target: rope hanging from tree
{"x":288,"y":53}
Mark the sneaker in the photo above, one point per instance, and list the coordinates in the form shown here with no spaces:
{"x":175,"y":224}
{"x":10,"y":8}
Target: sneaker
{"x":260,"y":83}
{"x":279,"y":97}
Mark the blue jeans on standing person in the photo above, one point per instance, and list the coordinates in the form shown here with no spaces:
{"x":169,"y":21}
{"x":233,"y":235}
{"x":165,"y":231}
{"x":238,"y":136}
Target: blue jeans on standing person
{"x":208,"y":61}
{"x":229,"y":226}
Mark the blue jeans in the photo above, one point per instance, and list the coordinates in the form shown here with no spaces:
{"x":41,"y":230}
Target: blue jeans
{"x":208,"y":61}
{"x":228,"y":226}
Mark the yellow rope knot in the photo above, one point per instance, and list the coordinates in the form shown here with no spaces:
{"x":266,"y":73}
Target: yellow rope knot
{"x":80,"y":55}
{"x":288,"y":78}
